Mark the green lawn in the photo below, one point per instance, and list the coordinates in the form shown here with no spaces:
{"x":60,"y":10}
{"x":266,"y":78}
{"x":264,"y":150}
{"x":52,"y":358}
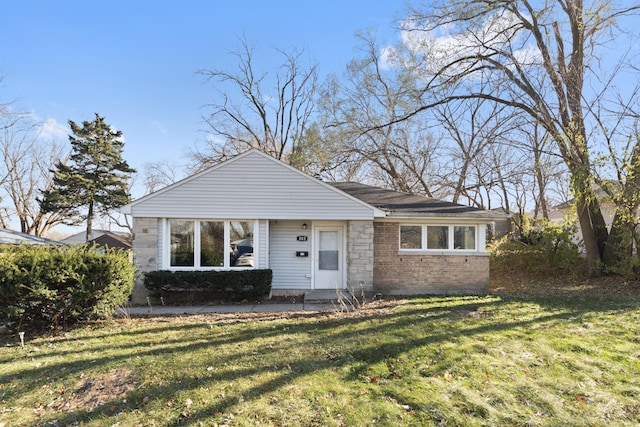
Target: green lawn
{"x":471,"y":361}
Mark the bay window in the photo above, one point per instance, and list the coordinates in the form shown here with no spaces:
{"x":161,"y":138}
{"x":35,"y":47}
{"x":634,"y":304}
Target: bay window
{"x":438,"y":237}
{"x":210,"y":244}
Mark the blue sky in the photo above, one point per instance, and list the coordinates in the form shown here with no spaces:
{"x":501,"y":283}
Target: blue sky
{"x":136,"y":62}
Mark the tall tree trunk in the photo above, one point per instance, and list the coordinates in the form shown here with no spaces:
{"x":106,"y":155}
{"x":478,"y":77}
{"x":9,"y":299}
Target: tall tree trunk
{"x":592,"y":224}
{"x":89,"y":222}
{"x":620,"y":242}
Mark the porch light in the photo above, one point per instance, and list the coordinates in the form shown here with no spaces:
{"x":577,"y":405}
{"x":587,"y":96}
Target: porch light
{"x":304,"y":226}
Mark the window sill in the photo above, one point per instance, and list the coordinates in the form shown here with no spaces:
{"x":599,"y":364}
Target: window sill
{"x":210,"y":268}
{"x":459,"y":252}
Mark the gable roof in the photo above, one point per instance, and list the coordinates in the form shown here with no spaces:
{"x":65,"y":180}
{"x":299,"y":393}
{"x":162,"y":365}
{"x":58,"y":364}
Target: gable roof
{"x":113,"y":240}
{"x":81,"y":237}
{"x":396,"y":203}
{"x":255,"y":185}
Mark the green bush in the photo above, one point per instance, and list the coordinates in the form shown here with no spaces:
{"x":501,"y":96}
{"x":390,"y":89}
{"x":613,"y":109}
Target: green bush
{"x":210,"y":285}
{"x":44,"y":287}
{"x":547,"y":247}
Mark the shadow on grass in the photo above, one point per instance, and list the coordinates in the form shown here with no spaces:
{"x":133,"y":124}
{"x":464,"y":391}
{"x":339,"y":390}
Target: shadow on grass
{"x":423,"y":317}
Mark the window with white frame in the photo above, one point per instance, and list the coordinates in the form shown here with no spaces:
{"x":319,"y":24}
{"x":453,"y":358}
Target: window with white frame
{"x":438,"y":237}
{"x":211,"y":244}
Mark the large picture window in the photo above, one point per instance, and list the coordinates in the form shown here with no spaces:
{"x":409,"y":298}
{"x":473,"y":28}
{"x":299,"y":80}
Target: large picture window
{"x":182,"y":243}
{"x":211,"y":244}
{"x":241,"y":235}
{"x":438,"y":237}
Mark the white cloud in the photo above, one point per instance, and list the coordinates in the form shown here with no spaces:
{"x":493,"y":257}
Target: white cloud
{"x":54,"y":131}
{"x":442,"y":46}
{"x":159,"y":126}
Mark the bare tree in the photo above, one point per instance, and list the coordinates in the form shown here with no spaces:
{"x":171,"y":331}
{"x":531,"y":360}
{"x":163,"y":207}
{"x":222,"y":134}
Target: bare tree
{"x":400,"y":156}
{"x":270,"y":113}
{"x":539,"y":55}
{"x":476,"y":129}
{"x":618,"y":171}
{"x":160,"y":174}
{"x":27,"y":159}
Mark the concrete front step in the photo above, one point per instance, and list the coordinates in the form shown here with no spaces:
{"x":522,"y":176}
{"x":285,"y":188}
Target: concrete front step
{"x":322,"y":295}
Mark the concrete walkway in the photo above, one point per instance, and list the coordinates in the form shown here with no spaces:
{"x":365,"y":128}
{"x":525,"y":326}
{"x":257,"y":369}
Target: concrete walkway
{"x":169,"y":310}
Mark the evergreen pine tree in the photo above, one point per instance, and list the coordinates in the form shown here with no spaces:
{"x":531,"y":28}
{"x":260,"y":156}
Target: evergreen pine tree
{"x":95,"y":179}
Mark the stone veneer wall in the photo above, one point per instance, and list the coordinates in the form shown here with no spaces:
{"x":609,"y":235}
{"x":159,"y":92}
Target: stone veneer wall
{"x":425,"y":273}
{"x":145,"y":253}
{"x":360,"y":255}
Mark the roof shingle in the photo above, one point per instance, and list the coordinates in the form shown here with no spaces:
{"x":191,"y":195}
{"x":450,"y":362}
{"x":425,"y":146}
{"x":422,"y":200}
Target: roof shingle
{"x":397,"y":203}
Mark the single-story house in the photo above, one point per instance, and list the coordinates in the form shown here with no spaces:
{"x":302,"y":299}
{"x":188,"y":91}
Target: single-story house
{"x":254,"y":211}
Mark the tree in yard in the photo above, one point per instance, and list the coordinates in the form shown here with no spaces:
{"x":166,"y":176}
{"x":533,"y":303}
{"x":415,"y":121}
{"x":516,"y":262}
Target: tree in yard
{"x":160,"y":174}
{"x":27,"y":159}
{"x":355,"y":108}
{"x":95,"y":181}
{"x":537,"y":58}
{"x":618,"y":176}
{"x":270,"y":113}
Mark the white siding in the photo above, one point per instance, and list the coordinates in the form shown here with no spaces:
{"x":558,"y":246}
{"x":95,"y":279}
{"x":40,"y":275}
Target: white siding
{"x":289,"y":271}
{"x":161,"y":240}
{"x":251,"y":186}
{"x":263,"y":245}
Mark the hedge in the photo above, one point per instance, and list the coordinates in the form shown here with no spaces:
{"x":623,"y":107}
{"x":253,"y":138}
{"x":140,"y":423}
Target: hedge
{"x":44,"y":287}
{"x":208,"y":286}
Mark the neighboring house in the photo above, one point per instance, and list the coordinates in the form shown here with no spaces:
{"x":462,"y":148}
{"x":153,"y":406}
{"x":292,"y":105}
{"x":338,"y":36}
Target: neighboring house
{"x":112,"y":239}
{"x":565,"y":210}
{"x":254,"y":211}
{"x":11,"y":237}
{"x":503,"y":226}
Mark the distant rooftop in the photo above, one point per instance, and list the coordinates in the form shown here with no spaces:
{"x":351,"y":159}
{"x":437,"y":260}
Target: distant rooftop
{"x":11,"y":237}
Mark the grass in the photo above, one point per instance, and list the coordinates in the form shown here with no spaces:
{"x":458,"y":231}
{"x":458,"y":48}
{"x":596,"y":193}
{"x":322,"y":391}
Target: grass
{"x":563,"y":355}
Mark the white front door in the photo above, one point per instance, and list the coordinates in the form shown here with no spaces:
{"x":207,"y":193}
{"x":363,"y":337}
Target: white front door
{"x":328,"y":258}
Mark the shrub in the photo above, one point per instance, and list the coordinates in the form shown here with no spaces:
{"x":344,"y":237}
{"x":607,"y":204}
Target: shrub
{"x":547,"y":247}
{"x":48,"y":286}
{"x":210,"y":285}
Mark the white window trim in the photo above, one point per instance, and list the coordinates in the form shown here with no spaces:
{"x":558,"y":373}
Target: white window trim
{"x":450,"y":244}
{"x":166,"y":242}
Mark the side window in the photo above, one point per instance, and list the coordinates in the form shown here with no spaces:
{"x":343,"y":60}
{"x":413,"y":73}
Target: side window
{"x":437,"y":237}
{"x":410,"y":237}
{"x":464,"y":237}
